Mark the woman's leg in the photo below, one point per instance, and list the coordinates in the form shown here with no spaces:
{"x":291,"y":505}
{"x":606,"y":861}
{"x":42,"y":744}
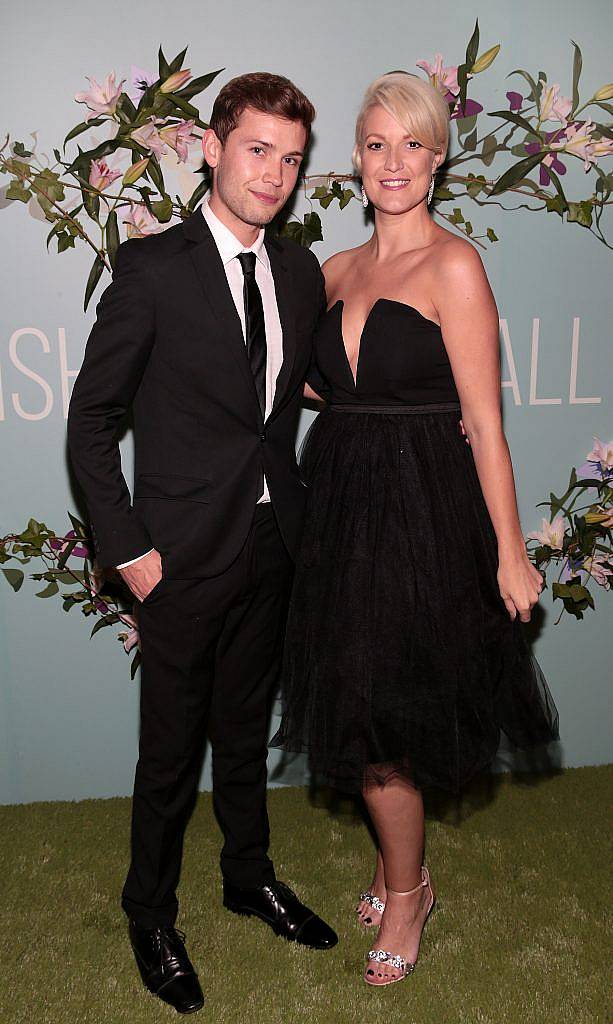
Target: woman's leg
{"x":366,"y":912}
{"x":397,"y":813}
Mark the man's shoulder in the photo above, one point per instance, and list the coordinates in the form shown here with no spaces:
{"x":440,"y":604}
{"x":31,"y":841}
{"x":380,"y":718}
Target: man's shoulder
{"x":151,"y":249}
{"x":294,"y":252}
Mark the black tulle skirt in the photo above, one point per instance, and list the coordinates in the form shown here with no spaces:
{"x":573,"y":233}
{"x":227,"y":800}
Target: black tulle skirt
{"x":400,"y":656}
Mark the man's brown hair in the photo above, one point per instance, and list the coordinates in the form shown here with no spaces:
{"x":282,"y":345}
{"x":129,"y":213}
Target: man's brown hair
{"x":269,"y":94}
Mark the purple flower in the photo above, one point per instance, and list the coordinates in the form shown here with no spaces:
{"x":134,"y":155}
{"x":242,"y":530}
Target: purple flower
{"x":61,"y":543}
{"x":599,"y":465}
{"x":515,"y":100}
{"x":551,"y":159}
{"x":470,"y":108}
{"x":572,"y":568}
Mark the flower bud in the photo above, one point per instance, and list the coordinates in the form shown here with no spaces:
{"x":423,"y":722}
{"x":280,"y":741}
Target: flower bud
{"x":134,"y":172}
{"x":176,"y":81}
{"x":485,"y":60}
{"x":604,"y":93}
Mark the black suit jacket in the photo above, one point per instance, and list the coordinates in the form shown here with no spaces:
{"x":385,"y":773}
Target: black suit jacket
{"x":168,"y":342}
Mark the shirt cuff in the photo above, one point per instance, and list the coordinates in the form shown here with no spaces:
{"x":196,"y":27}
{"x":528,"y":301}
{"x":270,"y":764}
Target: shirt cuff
{"x":124,"y":565}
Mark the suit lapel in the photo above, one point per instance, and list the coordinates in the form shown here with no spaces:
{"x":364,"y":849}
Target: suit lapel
{"x":214,"y":283}
{"x":283,"y":290}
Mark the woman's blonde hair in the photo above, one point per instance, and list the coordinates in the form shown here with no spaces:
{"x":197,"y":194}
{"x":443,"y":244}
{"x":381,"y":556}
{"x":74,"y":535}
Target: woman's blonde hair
{"x":417,"y":106}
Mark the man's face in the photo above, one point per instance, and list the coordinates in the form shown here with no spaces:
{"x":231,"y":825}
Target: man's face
{"x":255,"y":172}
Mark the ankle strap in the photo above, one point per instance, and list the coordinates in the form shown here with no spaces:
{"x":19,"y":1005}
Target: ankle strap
{"x":425,"y":880}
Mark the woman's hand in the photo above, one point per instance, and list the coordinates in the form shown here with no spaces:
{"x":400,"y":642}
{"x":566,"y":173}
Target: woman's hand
{"x":520,"y":584}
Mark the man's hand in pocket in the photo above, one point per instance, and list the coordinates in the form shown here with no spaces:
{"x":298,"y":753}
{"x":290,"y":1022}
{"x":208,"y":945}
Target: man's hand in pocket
{"x":144,"y":574}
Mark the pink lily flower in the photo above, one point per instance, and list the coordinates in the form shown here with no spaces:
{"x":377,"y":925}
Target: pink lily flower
{"x":179,"y":136}
{"x":443,"y":79}
{"x":101,"y":99}
{"x":149,"y":138}
{"x":101,"y":176}
{"x":604,"y":147}
{"x":140,"y":222}
{"x":578,"y":142}
{"x":140,"y":79}
{"x":551,"y":533}
{"x":553,"y":106}
{"x":599,"y":569}
{"x":132,"y":638}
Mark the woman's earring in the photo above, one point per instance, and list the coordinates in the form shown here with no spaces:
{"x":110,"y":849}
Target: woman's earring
{"x":431,"y":191}
{"x":364,"y":198}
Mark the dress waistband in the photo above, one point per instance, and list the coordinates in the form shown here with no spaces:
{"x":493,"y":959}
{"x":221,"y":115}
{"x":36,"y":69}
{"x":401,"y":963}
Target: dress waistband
{"x":398,"y":410}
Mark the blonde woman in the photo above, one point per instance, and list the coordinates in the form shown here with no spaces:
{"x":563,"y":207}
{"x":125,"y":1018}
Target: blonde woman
{"x":405,"y":652}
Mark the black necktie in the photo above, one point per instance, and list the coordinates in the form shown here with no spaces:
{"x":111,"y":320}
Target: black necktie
{"x":255,"y":331}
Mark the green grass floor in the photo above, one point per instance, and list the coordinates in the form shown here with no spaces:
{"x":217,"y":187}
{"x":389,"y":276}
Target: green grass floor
{"x":519,"y":934}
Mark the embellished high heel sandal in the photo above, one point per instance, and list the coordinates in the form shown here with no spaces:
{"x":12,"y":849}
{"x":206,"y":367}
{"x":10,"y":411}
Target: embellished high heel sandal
{"x":378,"y":907}
{"x":399,"y":963}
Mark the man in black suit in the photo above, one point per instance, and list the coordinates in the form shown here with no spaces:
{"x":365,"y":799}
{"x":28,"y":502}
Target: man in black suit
{"x":205,"y":333}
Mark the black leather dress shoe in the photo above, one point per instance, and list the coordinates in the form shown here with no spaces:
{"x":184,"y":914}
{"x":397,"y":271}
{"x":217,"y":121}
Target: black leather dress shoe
{"x":165,"y":966}
{"x":282,"y":910}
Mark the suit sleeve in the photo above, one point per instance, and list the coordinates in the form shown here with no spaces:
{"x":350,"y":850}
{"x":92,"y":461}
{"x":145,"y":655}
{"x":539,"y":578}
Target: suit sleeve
{"x":116,"y":356}
{"x":314,"y":378}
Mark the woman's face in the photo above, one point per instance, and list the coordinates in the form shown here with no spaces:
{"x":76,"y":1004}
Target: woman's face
{"x":396,"y":169}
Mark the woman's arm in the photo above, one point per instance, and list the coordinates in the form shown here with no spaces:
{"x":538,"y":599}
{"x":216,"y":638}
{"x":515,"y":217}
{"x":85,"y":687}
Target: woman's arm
{"x":469,"y":323}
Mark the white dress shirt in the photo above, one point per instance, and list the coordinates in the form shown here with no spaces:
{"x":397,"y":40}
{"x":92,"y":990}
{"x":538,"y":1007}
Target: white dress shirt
{"x":229,"y":247}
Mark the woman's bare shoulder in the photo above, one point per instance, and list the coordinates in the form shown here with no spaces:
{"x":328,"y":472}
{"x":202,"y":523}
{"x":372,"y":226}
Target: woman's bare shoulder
{"x":457,"y":256}
{"x":337,"y":266}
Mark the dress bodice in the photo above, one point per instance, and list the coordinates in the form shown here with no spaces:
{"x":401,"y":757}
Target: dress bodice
{"x":402,"y":358}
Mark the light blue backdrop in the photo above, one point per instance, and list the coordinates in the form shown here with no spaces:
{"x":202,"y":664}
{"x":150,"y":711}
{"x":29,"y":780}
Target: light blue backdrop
{"x":68,"y":711}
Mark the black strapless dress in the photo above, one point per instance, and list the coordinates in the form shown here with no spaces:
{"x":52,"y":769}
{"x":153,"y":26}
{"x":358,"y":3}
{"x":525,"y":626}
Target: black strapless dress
{"x":400,"y":656}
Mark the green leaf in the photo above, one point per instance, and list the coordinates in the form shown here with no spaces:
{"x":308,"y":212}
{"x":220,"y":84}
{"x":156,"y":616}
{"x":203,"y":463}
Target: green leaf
{"x":163,"y":65}
{"x":534,"y":91}
{"x":441,"y":193}
{"x":82,"y":127}
{"x":65,"y":241}
{"x":185,"y":107}
{"x":154,"y":172}
{"x":488,"y":150}
{"x":126,"y":109}
{"x":516,"y":172}
{"x":560,"y":195}
{"x":106,"y":620}
{"x":347,"y":196}
{"x":162,"y":210}
{"x":580,"y":213}
{"x":509,"y":115}
{"x":20,"y":150}
{"x":457,"y":216}
{"x":473,"y":47}
{"x":14,"y":577}
{"x":197,"y":195}
{"x":112,"y":237}
{"x":49,"y":591}
{"x":577,"y":64}
{"x":197,"y":85}
{"x":92,"y":281}
{"x":555,"y":204}
{"x":79,"y":528}
{"x":470,"y":142}
{"x":177,"y":63}
{"x":304,"y":233}
{"x":18,"y":191}
{"x":491,"y":235}
{"x":91,"y":202}
{"x":468,"y":228}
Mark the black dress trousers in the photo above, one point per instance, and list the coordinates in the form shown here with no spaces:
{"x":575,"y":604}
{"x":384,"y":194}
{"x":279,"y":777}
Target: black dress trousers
{"x":210,"y":660}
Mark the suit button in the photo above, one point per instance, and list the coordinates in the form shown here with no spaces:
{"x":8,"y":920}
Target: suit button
{"x":262,"y":438}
